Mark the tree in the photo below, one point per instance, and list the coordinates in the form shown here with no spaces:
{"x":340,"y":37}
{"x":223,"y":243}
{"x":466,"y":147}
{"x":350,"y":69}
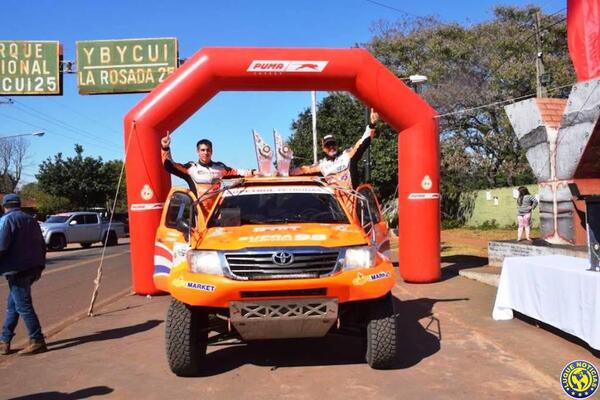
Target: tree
{"x":113,"y":169}
{"x":472,"y":66}
{"x":45,"y":203}
{"x":467,"y":67}
{"x":85,"y":181}
{"x":13,"y":153}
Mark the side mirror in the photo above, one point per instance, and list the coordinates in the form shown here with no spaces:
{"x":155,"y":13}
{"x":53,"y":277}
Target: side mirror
{"x":73,"y":222}
{"x":183,"y":227}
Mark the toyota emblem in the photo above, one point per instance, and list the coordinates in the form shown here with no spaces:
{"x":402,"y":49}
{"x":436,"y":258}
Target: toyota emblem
{"x":283,"y":258}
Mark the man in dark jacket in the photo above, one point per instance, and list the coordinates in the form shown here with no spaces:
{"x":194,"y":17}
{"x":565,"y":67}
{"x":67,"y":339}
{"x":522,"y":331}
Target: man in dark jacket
{"x":22,"y":259}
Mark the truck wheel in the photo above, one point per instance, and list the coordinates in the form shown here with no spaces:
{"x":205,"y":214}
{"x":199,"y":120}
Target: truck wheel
{"x":186,"y":336}
{"x":86,"y":245}
{"x":381,"y":333}
{"x":57,"y":242}
{"x":113,"y":240}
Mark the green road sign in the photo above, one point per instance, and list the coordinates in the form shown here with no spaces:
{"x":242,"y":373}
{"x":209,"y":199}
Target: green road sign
{"x":124,"y":66}
{"x":30,"y":67}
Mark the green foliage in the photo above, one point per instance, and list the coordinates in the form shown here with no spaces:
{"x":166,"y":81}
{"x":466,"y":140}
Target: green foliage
{"x":457,"y":208}
{"x":488,"y":225}
{"x":113,"y":169}
{"x":85,"y":181}
{"x":389,"y":209}
{"x":469,"y":66}
{"x":46,"y":203}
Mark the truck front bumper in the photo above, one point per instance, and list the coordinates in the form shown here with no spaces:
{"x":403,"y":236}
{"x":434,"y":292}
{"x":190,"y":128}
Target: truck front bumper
{"x":218,"y":291}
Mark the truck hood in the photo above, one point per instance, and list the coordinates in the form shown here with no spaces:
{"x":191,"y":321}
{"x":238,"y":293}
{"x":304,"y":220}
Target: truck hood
{"x":324,"y":235}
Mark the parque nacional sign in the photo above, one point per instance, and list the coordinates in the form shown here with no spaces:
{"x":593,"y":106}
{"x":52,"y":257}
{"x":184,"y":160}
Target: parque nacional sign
{"x":30,"y":67}
{"x":124,"y":66}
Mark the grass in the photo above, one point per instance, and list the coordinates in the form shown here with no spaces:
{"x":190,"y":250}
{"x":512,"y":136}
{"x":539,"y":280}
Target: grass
{"x":469,"y":241}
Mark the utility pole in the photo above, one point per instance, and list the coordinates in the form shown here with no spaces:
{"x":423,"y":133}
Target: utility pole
{"x":313,"y":98}
{"x":539,"y":61}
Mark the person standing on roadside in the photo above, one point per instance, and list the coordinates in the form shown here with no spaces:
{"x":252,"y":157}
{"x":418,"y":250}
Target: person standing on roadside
{"x":526,"y":203}
{"x":22,"y":259}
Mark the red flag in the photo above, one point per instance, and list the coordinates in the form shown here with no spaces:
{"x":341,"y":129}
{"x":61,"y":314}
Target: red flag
{"x":283,"y":154}
{"x":264,"y":154}
{"x":583,"y":33}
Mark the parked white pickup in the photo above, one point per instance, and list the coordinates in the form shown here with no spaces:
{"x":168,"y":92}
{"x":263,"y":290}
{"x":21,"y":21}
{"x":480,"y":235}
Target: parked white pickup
{"x":84,"y":228}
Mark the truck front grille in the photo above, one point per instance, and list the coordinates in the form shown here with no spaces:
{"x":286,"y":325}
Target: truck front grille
{"x":255,"y":265}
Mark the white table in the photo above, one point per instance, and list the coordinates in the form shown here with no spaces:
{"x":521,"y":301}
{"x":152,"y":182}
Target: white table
{"x":553,"y":289}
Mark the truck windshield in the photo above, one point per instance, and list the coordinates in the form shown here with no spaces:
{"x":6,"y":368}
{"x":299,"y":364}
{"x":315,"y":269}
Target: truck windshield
{"x":57,"y":219}
{"x":278,"y":208}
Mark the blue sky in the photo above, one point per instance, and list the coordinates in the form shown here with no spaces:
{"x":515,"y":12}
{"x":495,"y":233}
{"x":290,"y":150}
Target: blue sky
{"x":96,"y":121}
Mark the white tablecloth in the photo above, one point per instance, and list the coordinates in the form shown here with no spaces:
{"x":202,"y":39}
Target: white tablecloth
{"x":554,"y":289}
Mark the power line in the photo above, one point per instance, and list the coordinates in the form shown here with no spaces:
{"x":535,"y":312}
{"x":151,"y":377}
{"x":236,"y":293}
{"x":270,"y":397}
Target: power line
{"x":55,"y":121}
{"x":557,"y":12}
{"x":73,"y":110}
{"x":531,"y":35}
{"x":555,"y":23}
{"x":56,"y":133}
{"x":60,"y":123}
{"x":391,"y":8}
{"x":497,"y":103}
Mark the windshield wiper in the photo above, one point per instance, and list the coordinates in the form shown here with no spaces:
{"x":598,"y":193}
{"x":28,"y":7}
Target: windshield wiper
{"x":252,"y":221}
{"x":278,"y":221}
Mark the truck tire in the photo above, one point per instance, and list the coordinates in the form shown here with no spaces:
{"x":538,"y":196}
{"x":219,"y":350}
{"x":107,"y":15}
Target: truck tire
{"x":86,"y":245}
{"x":57,"y":242}
{"x":113,"y":240}
{"x":382,"y":333}
{"x":186,"y":336}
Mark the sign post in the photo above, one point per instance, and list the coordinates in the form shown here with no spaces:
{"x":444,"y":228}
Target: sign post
{"x":30,"y":67}
{"x":124,"y":66}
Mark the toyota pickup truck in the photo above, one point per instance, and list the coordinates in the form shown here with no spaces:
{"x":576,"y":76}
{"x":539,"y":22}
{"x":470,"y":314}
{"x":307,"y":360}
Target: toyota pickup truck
{"x":81,"y":227}
{"x":283,"y":257}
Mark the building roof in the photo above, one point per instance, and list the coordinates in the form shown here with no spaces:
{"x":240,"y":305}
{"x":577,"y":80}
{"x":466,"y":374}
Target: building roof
{"x":551,"y":110}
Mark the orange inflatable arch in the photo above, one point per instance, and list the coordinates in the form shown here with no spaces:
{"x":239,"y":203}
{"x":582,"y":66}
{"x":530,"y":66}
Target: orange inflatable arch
{"x":212,"y":70}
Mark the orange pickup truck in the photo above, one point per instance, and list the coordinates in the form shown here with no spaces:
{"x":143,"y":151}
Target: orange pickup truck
{"x":282,"y":257}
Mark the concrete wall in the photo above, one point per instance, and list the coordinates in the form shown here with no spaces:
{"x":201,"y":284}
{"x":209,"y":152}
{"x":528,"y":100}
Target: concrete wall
{"x":505,"y":213}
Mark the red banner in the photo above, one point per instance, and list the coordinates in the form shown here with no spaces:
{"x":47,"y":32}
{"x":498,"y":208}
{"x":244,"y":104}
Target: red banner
{"x":583,"y":32}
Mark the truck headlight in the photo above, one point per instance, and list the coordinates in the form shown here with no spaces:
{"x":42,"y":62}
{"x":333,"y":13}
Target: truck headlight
{"x":204,"y":262}
{"x":359,"y":257}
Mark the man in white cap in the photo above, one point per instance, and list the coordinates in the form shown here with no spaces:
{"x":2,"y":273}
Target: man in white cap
{"x":341,"y":168}
{"x":22,"y":259}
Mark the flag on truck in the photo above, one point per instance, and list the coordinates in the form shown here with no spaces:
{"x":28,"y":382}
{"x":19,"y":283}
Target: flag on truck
{"x":283,"y":154}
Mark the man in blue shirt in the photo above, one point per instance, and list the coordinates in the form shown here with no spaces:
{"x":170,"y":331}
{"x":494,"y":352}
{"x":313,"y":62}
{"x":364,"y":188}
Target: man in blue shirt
{"x":22,"y":259}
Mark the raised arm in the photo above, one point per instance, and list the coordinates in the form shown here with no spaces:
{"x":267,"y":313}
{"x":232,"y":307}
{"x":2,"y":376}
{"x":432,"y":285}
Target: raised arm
{"x":179,"y":170}
{"x":364,"y":142}
{"x":306,"y":170}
